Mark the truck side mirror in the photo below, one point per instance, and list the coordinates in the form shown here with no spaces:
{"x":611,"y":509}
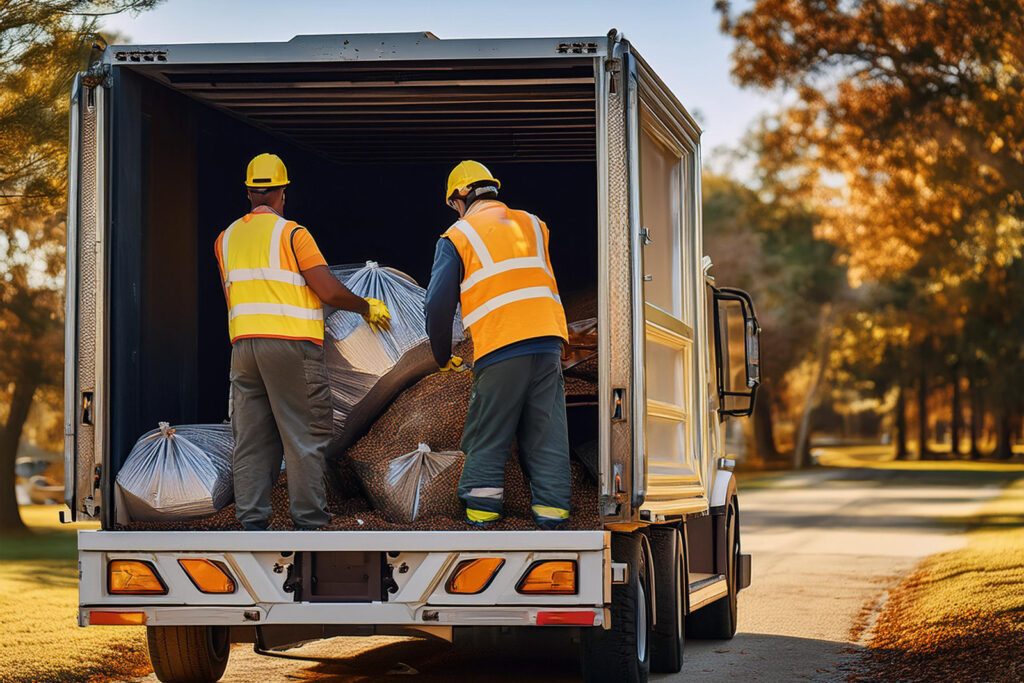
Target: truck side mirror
{"x":739,"y":364}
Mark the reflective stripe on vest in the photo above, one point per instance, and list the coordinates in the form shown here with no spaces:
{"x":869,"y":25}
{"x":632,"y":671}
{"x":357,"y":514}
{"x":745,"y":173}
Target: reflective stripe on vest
{"x":266,"y":299}
{"x":490,"y":268}
{"x":500,"y":277}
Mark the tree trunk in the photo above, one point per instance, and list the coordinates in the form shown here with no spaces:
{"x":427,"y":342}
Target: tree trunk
{"x":10,"y":437}
{"x":902,"y":452}
{"x":977,"y":412}
{"x":1004,"y":447}
{"x":954,"y":421}
{"x":764,"y":430}
{"x":801,"y":449}
{"x":922,"y":414}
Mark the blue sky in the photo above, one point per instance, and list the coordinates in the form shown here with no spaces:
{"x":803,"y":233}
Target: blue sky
{"x":679,"y":38}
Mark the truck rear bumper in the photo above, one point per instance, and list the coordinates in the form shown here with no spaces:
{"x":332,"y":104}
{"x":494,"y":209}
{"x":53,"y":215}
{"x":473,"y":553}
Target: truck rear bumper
{"x":419,"y":562}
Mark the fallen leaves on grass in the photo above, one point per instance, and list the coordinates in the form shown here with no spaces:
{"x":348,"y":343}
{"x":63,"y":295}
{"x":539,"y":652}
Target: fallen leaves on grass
{"x":38,"y":614}
{"x":960,"y":615}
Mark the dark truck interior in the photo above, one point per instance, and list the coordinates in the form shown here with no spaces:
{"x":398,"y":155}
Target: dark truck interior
{"x":368,"y":148}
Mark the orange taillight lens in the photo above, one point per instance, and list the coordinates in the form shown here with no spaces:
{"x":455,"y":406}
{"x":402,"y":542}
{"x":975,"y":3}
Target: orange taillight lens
{"x":550,"y":577}
{"x":208,"y":576}
{"x":133,"y":577}
{"x":474,"y":576}
{"x":117,"y":618}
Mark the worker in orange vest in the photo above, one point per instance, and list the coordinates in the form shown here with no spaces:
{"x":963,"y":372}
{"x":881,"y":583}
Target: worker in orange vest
{"x":275,"y":283}
{"x":494,"y":262}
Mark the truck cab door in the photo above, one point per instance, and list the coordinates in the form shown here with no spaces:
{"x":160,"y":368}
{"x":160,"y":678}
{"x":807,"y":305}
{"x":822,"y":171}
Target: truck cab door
{"x":85,"y":320}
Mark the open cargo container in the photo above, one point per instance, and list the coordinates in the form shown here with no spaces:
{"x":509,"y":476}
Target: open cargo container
{"x":581,"y":132}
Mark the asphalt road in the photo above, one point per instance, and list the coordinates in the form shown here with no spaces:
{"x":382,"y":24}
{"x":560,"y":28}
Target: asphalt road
{"x":826,"y":545}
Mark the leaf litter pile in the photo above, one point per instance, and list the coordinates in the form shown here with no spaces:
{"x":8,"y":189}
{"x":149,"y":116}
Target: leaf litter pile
{"x":960,"y":615}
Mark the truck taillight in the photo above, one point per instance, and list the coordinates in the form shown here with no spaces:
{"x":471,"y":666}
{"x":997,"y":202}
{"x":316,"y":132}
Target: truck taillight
{"x":208,"y":576}
{"x":474,"y":576}
{"x":133,"y":577}
{"x":550,"y":577}
{"x":104,"y":618}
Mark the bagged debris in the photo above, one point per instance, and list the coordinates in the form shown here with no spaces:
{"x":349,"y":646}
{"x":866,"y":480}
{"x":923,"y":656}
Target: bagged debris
{"x":434,"y":411}
{"x":366,"y":370}
{"x":177,"y":473}
{"x":398,"y":495}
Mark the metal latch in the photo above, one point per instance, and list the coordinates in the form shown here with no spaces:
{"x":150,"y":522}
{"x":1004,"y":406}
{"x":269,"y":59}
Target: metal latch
{"x":645,"y":236}
{"x":620,"y":572}
{"x":618,"y":401}
{"x":87,"y":406}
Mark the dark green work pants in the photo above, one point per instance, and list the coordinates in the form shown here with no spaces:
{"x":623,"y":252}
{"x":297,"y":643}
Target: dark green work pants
{"x":281,"y":405}
{"x":520,"y":398}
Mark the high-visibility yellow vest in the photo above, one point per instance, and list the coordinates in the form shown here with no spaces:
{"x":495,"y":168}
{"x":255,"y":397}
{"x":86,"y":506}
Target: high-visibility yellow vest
{"x":267,"y":298}
{"x":508,"y":290}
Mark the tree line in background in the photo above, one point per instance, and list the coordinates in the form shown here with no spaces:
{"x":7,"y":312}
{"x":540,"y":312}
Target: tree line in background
{"x":884,"y":232}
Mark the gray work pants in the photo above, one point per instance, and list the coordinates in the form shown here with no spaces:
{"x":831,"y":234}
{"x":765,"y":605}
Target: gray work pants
{"x":520,"y":398}
{"x":282,"y":405}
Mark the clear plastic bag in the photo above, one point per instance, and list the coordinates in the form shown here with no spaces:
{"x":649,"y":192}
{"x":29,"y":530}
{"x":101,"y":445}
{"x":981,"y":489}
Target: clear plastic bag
{"x":366,"y":370}
{"x":177,"y":473}
{"x":399,"y":493}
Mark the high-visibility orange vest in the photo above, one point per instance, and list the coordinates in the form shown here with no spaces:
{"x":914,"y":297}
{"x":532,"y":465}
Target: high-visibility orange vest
{"x":508,"y":290}
{"x":266,"y":298}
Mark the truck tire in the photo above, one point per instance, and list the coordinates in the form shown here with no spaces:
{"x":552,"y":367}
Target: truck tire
{"x":670,"y":587}
{"x":622,"y":653}
{"x":718,"y":620}
{"x":188,"y":654}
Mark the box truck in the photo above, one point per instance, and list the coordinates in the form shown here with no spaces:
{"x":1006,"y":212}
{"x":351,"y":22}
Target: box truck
{"x":582,"y":132}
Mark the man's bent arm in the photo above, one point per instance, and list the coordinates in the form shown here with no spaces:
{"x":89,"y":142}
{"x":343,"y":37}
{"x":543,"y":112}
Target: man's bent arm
{"x":443,"y":299}
{"x":331,"y":292}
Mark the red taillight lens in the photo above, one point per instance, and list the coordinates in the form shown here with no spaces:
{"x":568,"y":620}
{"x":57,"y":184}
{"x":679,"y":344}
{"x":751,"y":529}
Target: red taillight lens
{"x":580,"y":618}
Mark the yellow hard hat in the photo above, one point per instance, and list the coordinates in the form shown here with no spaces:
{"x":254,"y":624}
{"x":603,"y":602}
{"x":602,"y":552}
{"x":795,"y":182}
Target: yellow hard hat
{"x":266,"y":170}
{"x":465,"y":174}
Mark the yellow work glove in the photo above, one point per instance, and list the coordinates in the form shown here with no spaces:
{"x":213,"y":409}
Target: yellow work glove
{"x":377,"y":317}
{"x":454,"y":364}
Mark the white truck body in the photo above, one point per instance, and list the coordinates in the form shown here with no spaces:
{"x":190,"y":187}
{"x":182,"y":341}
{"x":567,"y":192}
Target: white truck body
{"x":553,"y":104}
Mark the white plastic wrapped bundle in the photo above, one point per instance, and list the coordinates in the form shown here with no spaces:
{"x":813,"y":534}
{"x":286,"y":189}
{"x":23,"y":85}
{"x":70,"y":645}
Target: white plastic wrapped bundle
{"x":177,"y":473}
{"x":367,"y":369}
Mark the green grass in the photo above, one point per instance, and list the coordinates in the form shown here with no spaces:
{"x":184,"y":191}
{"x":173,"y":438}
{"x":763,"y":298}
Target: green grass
{"x":41,"y":640}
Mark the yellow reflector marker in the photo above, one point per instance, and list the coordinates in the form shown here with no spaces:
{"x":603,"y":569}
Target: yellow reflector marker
{"x":550,"y":577}
{"x":133,"y":577}
{"x":208,"y":576}
{"x":117,"y":618}
{"x":474,"y":576}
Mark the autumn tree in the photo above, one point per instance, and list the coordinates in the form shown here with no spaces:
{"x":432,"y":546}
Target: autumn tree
{"x":906,"y":132}
{"x":43,"y":43}
{"x":764,"y":243}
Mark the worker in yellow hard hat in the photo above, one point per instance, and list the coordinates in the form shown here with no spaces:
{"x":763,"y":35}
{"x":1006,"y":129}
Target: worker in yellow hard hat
{"x":276,"y":282}
{"x":494,"y":261}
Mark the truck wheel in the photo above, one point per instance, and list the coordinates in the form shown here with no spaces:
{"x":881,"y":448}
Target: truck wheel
{"x":671,"y":584}
{"x":188,"y":654}
{"x":718,"y":620}
{"x":622,"y":654}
